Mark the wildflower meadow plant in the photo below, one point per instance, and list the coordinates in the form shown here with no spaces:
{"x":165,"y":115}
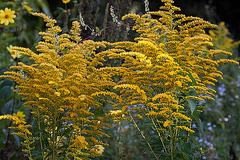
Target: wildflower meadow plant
{"x":7,"y":16}
{"x":58,"y":89}
{"x":161,"y":76}
{"x":164,"y":74}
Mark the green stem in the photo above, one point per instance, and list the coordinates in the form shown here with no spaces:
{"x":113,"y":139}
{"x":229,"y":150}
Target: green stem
{"x":53,"y":139}
{"x":159,"y":134}
{"x":171,"y":142}
{"x":28,"y":148}
{"x":119,"y":145}
{"x":135,"y":124}
{"x":40,"y":133}
{"x":69,"y":141}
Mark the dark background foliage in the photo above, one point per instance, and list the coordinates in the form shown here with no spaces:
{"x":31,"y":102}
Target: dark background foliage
{"x":214,"y":11}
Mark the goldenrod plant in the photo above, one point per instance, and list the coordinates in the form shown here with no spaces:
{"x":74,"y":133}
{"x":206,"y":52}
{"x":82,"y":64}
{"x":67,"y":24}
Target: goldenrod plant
{"x":21,"y":130}
{"x":159,"y":80}
{"x":164,"y":74}
{"x":58,"y":89}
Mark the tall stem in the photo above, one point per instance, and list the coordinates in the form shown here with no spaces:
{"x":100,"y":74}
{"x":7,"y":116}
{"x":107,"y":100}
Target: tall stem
{"x":119,"y":145}
{"x":40,"y":134}
{"x":135,"y":124}
{"x":53,"y":138}
{"x":171,"y":142}
{"x":159,"y":134}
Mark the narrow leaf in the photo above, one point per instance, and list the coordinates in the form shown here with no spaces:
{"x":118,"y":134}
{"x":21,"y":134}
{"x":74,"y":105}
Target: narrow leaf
{"x":192,"y":104}
{"x":192,"y":78}
{"x":185,"y":156}
{"x":201,"y":125}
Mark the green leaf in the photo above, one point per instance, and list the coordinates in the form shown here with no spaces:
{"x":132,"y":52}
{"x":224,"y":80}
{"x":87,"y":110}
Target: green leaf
{"x":7,"y":108}
{"x":201,"y":125}
{"x":194,"y":83}
{"x":196,"y":116}
{"x":38,"y":157}
{"x":61,"y":9}
{"x":44,"y":6}
{"x":5,"y":92}
{"x":11,"y":154}
{"x":192,"y":104}
{"x":185,"y":156}
{"x":2,"y":102}
{"x":199,"y":121}
{"x":193,"y":139}
{"x":192,"y":92}
{"x":10,"y":40}
{"x":17,"y":140}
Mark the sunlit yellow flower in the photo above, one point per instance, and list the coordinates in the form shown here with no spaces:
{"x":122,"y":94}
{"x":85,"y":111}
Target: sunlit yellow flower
{"x":115,"y":112}
{"x":20,"y":115}
{"x":116,"y":115}
{"x":14,"y":53}
{"x":66,"y":1}
{"x":6,"y":16}
{"x":98,"y":149}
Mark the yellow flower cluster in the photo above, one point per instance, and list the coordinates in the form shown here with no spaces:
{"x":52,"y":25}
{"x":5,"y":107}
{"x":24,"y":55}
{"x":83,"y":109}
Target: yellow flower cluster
{"x":167,"y":122}
{"x":16,"y":119}
{"x":185,"y":128}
